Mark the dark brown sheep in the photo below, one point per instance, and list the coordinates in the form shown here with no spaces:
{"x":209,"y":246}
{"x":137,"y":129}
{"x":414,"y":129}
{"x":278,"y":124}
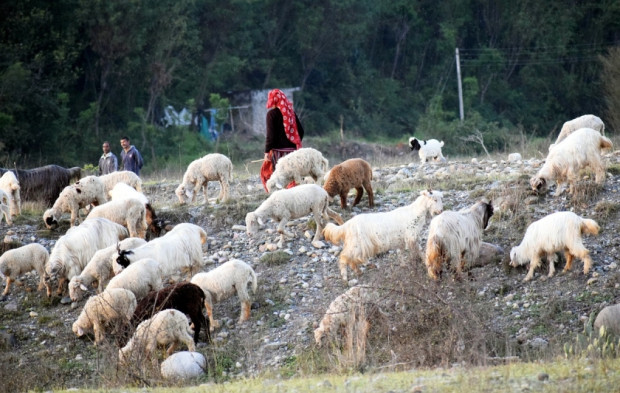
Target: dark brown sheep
{"x":184,"y":296}
{"x":354,"y":173}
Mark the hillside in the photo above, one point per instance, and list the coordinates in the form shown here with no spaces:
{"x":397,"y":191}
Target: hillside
{"x":488,"y":317}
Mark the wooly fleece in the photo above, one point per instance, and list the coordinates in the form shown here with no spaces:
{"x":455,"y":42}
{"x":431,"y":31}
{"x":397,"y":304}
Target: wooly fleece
{"x":10,"y":185}
{"x":354,"y":173}
{"x":297,"y":165}
{"x":212,"y":167}
{"x":18,"y":261}
{"x":88,"y":190}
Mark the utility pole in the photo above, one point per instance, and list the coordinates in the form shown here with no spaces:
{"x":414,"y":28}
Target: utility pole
{"x":458,"y":77}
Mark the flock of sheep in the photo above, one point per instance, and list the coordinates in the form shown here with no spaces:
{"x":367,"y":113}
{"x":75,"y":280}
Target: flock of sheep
{"x":108,"y":248}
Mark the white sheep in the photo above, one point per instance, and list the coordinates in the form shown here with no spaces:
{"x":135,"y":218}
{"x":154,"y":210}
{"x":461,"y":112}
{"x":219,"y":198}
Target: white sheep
{"x":128,"y":177}
{"x":579,"y":150}
{"x":585,"y":121}
{"x":18,"y":261}
{"x":297,"y":165}
{"x":178,"y":251}
{"x":429,"y":150}
{"x":87,"y":190}
{"x":122,"y":191}
{"x":223,"y":282}
{"x":115,"y":305}
{"x":99,"y":269}
{"x":75,"y":249}
{"x":456,"y":237}
{"x":288,"y":204}
{"x":341,"y":312}
{"x":168,"y":327}
{"x":10,"y":185}
{"x":141,"y":277}
{"x":556,"y":232}
{"x":212,"y":167}
{"x":130,"y":213}
{"x":5,"y":202}
{"x":369,"y":234}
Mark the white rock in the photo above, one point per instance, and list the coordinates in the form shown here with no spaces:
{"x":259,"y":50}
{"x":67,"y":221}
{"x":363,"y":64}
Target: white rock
{"x":184,"y":365}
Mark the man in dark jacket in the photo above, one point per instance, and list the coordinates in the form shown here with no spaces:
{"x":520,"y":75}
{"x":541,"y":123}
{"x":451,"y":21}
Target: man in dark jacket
{"x":131,"y":160}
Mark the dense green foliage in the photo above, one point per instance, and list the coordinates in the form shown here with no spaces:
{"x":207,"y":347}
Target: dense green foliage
{"x":75,"y":72}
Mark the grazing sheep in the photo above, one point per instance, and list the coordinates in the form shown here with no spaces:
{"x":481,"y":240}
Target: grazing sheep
{"x":212,"y":167}
{"x":167,"y":327}
{"x":429,"y":150}
{"x":367,"y":235}
{"x":99,"y":269}
{"x":579,"y":150}
{"x":75,"y":249}
{"x":179,"y":250}
{"x":10,"y":185}
{"x":130,"y":213}
{"x":184,"y":296}
{"x":354,"y":173}
{"x":297,"y":165}
{"x":122,"y":191}
{"x":16,"y":262}
{"x":224,"y":281}
{"x":184,"y":365}
{"x":44,"y":183}
{"x":341,"y":312}
{"x":115,"y":305}
{"x":5,"y":202}
{"x":585,"y":121}
{"x":288,"y":204}
{"x":456,"y":236}
{"x":141,"y":277}
{"x":87,"y":190}
{"x":127,"y":177}
{"x":561,"y":231}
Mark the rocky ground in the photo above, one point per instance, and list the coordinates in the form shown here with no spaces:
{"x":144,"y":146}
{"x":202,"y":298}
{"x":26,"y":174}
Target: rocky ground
{"x":489,"y":316}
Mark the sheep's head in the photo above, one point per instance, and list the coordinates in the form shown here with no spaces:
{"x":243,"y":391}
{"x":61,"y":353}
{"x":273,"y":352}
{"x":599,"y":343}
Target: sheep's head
{"x":181,"y":193}
{"x":319,"y":333}
{"x":538,"y":183}
{"x":414,"y":144}
{"x":77,"y":327}
{"x":435,"y":201}
{"x":272,"y":184}
{"x":251,"y":223}
{"x":122,"y":258}
{"x":50,"y":218}
{"x":76,"y":289}
{"x":516,"y":258}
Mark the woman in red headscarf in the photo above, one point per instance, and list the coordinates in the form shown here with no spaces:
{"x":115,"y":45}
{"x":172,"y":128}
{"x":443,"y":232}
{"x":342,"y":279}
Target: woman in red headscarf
{"x":284,"y":133}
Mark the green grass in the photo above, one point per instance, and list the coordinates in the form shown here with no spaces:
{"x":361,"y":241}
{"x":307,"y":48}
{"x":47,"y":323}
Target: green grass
{"x":561,"y":375}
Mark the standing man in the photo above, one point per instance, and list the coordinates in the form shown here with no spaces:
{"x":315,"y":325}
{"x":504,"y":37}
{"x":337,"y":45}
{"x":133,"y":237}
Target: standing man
{"x":108,"y":162}
{"x":131,"y":160}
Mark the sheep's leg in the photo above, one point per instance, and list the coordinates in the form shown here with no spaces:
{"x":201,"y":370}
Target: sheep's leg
{"x":343,"y":199}
{"x":582,"y":253}
{"x":99,"y":336}
{"x":368,"y":188}
{"x":245,"y":311}
{"x":599,"y":171}
{"x":75,"y":215}
{"x":359,"y":192}
{"x":552,"y":259}
{"x":569,"y":261}
{"x":212,"y":323}
{"x":41,"y":282}
{"x":318,"y":218}
{"x":342,"y":264}
{"x":8,"y":285}
{"x":171,"y":348}
{"x":333,"y":215}
{"x":533,"y":265}
{"x":433,"y":260}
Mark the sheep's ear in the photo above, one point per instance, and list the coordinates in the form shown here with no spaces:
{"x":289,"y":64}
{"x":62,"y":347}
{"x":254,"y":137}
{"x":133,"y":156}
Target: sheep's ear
{"x":83,"y":287}
{"x":80,"y":331}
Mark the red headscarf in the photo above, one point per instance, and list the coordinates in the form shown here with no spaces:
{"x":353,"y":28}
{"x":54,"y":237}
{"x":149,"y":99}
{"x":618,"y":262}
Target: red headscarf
{"x":278,"y":99}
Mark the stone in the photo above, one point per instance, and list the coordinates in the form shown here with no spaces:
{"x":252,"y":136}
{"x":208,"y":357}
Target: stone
{"x":184,"y":365}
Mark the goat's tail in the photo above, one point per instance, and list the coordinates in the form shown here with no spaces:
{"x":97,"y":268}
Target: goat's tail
{"x":606,"y":143}
{"x":334,"y":234}
{"x":589,"y":227}
{"x":433,"y":258}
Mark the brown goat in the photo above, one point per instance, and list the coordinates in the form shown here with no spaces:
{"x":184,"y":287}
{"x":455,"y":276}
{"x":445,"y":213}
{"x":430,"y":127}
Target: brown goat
{"x":354,"y":173}
{"x":184,"y":296}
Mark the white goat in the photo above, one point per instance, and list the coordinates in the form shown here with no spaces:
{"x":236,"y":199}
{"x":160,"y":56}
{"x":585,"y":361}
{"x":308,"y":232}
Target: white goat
{"x":122,"y":191}
{"x":212,"y":167}
{"x":141,"y":277}
{"x":87,"y":190}
{"x":18,"y":261}
{"x":5,"y":201}
{"x":179,"y":250}
{"x":128,"y":177}
{"x":223,"y":282}
{"x":10,"y":185}
{"x":114,"y":305}
{"x":456,"y":237}
{"x":130,"y":213}
{"x":167,"y":327}
{"x":297,"y":165}
{"x":585,"y":121}
{"x":369,"y":234}
{"x":75,"y":249}
{"x":579,"y":150}
{"x":288,"y":204}
{"x":561,"y":231}
{"x":429,"y":150}
{"x":99,"y":269}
